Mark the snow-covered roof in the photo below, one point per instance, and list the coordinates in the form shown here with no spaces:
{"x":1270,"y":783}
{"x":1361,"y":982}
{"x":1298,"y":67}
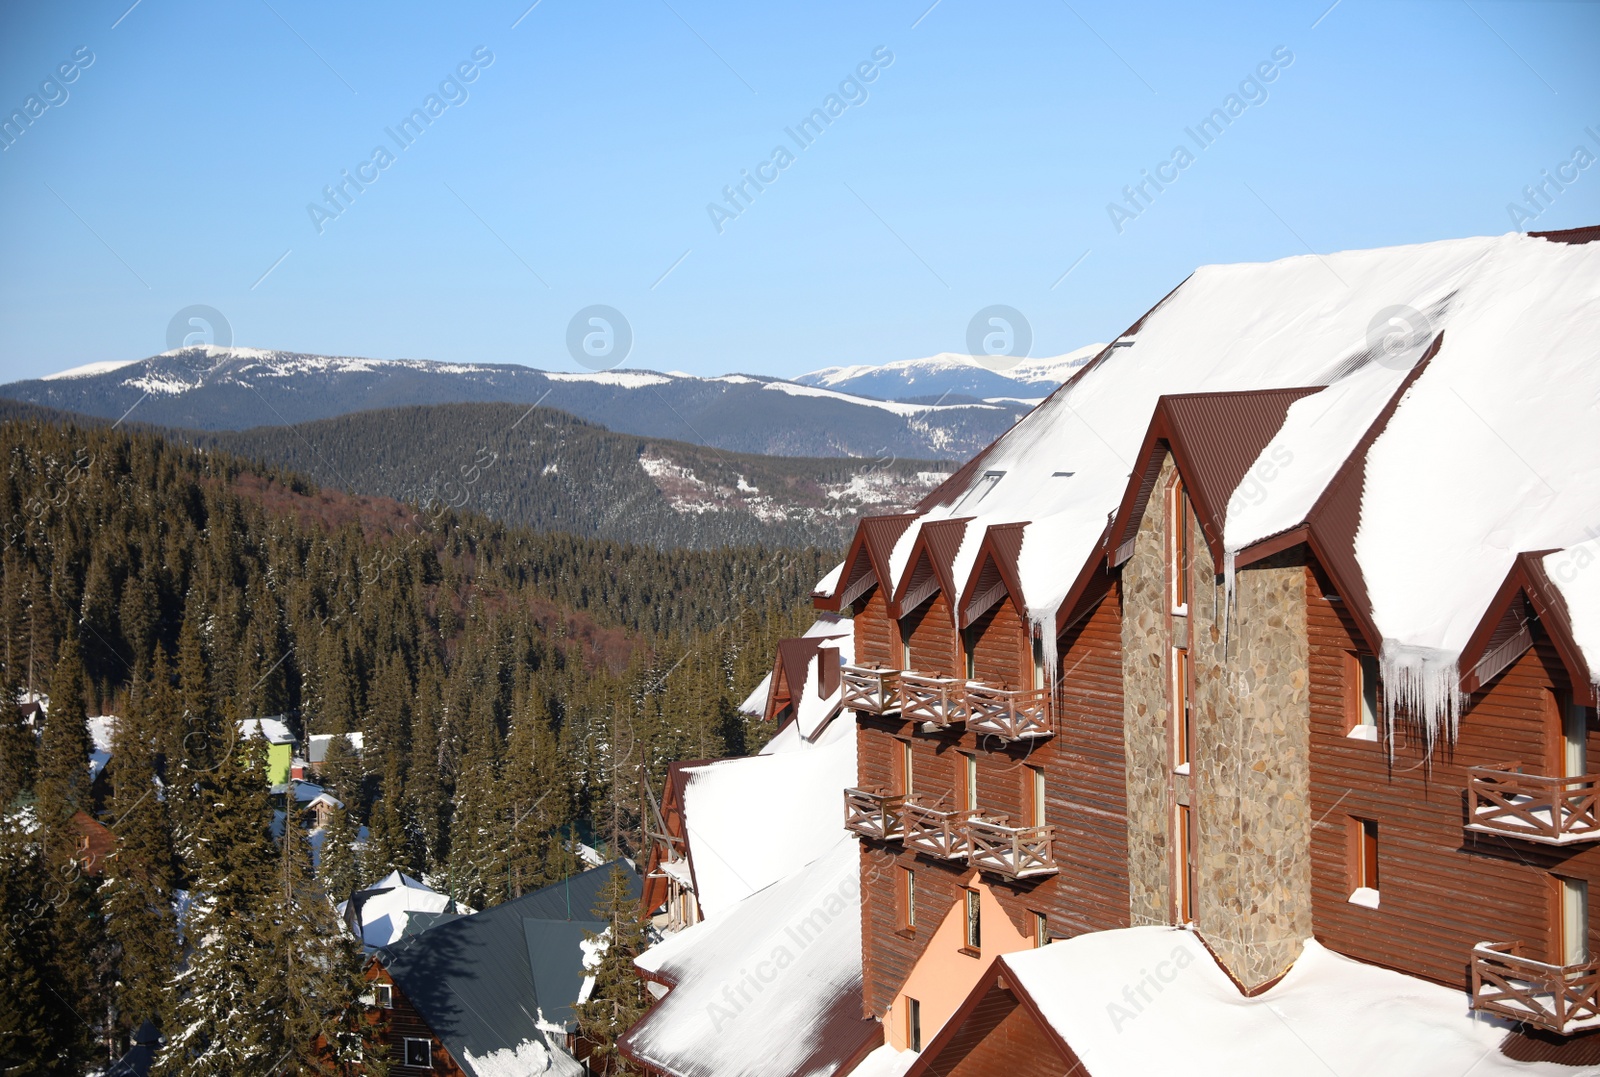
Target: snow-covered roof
{"x":830,"y":583}
{"x":102,"y":728}
{"x":791,"y":954}
{"x":756,"y":820}
{"x":317,"y":745}
{"x":275,"y":730}
{"x":755,"y":704}
{"x":386,"y":905}
{"x":1489,"y":452}
{"x":1575,"y":573}
{"x":1146,"y":1000}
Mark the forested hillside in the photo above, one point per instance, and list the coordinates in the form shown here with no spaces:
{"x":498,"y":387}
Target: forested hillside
{"x":509,"y":685}
{"x":548,"y":470}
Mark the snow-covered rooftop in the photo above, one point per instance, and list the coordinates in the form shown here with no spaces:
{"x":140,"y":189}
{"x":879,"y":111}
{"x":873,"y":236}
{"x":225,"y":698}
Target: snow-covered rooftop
{"x":1489,"y":453}
{"x":774,"y":986}
{"x":275,"y":730}
{"x":1148,"y":1000}
{"x":1575,"y":572}
{"x":383,"y":916}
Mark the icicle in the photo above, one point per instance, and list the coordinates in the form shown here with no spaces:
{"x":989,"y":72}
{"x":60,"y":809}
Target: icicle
{"x":1044,"y":627}
{"x":1423,"y":684}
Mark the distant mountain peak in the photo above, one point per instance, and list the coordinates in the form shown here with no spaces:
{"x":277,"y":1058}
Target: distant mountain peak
{"x":956,"y":374}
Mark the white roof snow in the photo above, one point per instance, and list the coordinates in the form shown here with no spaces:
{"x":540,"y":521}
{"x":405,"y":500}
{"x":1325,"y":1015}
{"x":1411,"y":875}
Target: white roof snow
{"x":756,"y":820}
{"x":101,"y":729}
{"x":273,"y":729}
{"x":1575,"y":572}
{"x":317,"y":745}
{"x":1490,"y":453}
{"x":383,"y":916}
{"x":787,"y":953}
{"x":525,"y":1060}
{"x":1146,"y":1000}
{"x":755,"y":704}
{"x":829,"y":583}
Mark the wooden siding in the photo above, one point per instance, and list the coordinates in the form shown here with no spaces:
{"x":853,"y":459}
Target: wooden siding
{"x":997,"y":1038}
{"x":1085,"y":799}
{"x":1001,"y":651}
{"x":1442,"y":888}
{"x":934,"y":647}
{"x":877,"y":637}
{"x":405,"y":1023}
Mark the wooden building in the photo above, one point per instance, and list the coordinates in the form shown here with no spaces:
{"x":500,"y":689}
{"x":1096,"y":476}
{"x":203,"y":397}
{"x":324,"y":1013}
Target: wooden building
{"x":1159,"y":656}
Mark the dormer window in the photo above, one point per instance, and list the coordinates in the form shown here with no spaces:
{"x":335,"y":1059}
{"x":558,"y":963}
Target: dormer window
{"x":981,"y":489}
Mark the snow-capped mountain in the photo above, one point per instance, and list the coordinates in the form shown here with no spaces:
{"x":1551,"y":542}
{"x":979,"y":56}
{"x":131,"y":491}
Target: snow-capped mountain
{"x":949,"y":374}
{"x":217,"y":388}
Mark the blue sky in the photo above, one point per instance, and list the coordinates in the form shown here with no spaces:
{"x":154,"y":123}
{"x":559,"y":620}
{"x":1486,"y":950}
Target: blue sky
{"x":576,"y":168}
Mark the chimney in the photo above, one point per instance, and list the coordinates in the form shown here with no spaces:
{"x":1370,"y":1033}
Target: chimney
{"x":827,"y":670}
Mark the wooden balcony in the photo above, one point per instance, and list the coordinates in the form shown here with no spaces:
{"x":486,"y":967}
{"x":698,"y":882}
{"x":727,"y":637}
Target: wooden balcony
{"x":874,"y":815}
{"x":1561,"y":998}
{"x":876,"y":691}
{"x":1010,"y":714}
{"x":940,"y":701}
{"x":1017,"y":852}
{"x":938,"y":833}
{"x":1555,"y":811}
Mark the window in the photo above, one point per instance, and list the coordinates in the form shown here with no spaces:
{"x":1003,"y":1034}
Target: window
{"x":969,"y":649}
{"x":905,"y":645}
{"x":1361,"y":717}
{"x":974,"y":932}
{"x":1041,"y":929}
{"x":907,"y":769}
{"x":913,"y":1024}
{"x":1178,"y":569}
{"x":1038,"y":662}
{"x":967,"y":775}
{"x":981,"y":489}
{"x":383,"y":996}
{"x":908,"y":899}
{"x":1184,"y":875}
{"x":1573,"y":895}
{"x":1575,"y":736}
{"x":419,"y":1053}
{"x":1364,"y":866}
{"x":1182,"y":721}
{"x":1034,"y":793}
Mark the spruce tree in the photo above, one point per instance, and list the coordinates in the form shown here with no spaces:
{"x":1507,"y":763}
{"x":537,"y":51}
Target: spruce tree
{"x":225,"y":1020}
{"x":138,"y":884}
{"x":31,"y":1019}
{"x":618,"y":999}
{"x":339,"y":867}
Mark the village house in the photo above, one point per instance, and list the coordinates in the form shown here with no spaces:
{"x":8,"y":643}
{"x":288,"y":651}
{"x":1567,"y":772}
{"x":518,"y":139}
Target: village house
{"x":1275,"y":631}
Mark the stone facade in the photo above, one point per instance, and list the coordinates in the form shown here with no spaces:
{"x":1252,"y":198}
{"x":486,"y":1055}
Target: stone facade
{"x":1249,"y":783}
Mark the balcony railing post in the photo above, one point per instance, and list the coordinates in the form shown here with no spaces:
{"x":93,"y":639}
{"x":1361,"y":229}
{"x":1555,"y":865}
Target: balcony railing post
{"x":1560,"y":998}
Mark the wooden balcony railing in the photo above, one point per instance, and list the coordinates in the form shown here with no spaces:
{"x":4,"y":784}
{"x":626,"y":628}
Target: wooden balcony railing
{"x":1556,"y":811}
{"x":938,"y":833}
{"x":939,"y":701}
{"x":876,"y":691}
{"x":1010,"y":714}
{"x":874,"y":815}
{"x":1018,"y":852}
{"x":1560,"y":998}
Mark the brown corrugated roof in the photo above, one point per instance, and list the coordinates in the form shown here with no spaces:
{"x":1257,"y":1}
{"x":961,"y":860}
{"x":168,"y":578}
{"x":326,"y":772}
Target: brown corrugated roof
{"x":931,"y":565}
{"x":789,"y":671}
{"x":868,"y":556}
{"x":1588,"y":234}
{"x":1215,"y":438}
{"x":994,"y":573}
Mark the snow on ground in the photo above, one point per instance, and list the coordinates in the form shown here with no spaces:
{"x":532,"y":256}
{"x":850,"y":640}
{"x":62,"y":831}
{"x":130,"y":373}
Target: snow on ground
{"x":626,"y":379}
{"x":885,"y":1061}
{"x":885,"y":405}
{"x":1576,"y":574}
{"x":1149,"y":1000}
{"x":1482,"y":459}
{"x":755,"y":820}
{"x":754,"y":985}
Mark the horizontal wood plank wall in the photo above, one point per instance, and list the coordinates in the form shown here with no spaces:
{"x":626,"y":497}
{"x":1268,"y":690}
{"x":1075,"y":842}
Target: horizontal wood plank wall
{"x":999,"y":1038}
{"x":1442,"y":888}
{"x":1086,"y":792}
{"x":1085,"y":799}
{"x":876,"y":635}
{"x":406,"y":1023}
{"x":1000,"y":648}
{"x":934,"y":645}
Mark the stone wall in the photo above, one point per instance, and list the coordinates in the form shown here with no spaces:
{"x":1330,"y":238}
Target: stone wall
{"x":1249,"y":786}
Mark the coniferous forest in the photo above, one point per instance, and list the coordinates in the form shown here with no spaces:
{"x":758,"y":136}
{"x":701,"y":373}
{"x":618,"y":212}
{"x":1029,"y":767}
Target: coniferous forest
{"x":510,"y":687}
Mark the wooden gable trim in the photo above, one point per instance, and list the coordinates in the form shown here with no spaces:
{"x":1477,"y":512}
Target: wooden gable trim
{"x":997,"y":975}
{"x":1489,"y":651}
{"x":927,"y":570}
{"x":974,"y":603}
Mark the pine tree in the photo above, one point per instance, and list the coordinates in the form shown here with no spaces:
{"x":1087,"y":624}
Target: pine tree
{"x":225,"y":1020}
{"x":18,"y":750}
{"x":618,"y":999}
{"x":138,"y":884}
{"x":339,"y":868}
{"x":325,"y":1028}
{"x":63,"y":782}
